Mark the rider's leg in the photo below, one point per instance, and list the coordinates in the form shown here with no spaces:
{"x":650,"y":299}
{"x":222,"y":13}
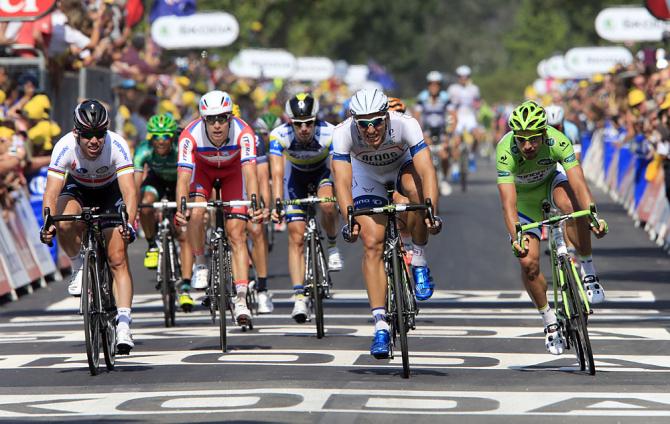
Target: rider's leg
{"x":259,"y":251}
{"x":196,"y":237}
{"x":237,"y":235}
{"x":296,"y":263}
{"x":69,"y":233}
{"x":117,"y":256}
{"x":148,"y":221}
{"x":329,"y":221}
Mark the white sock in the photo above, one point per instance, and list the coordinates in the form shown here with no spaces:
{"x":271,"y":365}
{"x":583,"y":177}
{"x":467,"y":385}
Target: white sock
{"x":379,"y":314}
{"x":201,"y":260}
{"x":586,"y":263}
{"x":241,"y":290}
{"x":77,"y":262}
{"x":123,"y":318}
{"x":419,"y":257}
{"x":547,"y":314}
{"x":407,"y":242}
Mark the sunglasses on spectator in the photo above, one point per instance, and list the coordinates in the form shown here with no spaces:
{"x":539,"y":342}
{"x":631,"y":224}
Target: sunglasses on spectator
{"x":375,"y":122}
{"x":308,"y":122}
{"x":89,"y":135}
{"x":224,"y":117}
{"x":533,"y":138}
{"x":161,"y":137}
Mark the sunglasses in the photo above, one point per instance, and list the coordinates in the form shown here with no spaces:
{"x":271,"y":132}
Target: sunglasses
{"x":307,"y":122}
{"x":533,"y":138}
{"x":375,"y":122}
{"x":224,"y":117}
{"x":161,"y":137}
{"x":93,"y":134}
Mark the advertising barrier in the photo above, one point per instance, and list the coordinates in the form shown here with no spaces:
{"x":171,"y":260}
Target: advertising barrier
{"x":11,"y":258}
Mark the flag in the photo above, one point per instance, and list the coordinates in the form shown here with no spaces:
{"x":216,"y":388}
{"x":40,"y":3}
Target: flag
{"x":171,"y":7}
{"x":377,"y":73}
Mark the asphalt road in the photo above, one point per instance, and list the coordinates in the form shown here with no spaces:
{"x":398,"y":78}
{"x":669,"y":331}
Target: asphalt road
{"x":477,"y":354}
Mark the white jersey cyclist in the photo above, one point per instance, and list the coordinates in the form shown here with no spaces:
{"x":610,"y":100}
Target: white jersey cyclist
{"x":464,"y":98}
{"x":373,"y":168}
{"x":114,"y":160}
{"x":303,"y":157}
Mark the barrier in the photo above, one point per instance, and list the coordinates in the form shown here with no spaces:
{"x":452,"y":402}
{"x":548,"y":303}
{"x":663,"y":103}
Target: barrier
{"x":619,"y":169}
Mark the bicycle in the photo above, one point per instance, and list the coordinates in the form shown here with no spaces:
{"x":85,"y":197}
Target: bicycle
{"x":97,"y":305}
{"x":401,"y":304}
{"x":572,"y":307}
{"x":220,"y":293}
{"x":169,"y":268}
{"x":317,"y":282}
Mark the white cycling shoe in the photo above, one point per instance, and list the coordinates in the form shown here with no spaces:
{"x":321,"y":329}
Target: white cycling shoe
{"x":334,"y":259}
{"x":74,"y":287}
{"x":265,"y":305}
{"x":594,"y":290}
{"x":445,"y":188}
{"x":199,"y":280}
{"x":242,"y":313}
{"x":124,"y":340}
{"x":553,"y":340}
{"x":300,"y":311}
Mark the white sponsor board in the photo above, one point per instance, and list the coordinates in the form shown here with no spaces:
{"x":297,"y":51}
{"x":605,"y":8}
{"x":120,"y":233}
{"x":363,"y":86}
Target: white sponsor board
{"x":313,"y":69}
{"x":356,"y":76}
{"x":39,"y":250}
{"x":557,"y":68}
{"x":542,"y":69}
{"x":263,"y":63}
{"x":11,"y":259}
{"x":593,"y":60}
{"x":629,"y":24}
{"x":200,"y":30}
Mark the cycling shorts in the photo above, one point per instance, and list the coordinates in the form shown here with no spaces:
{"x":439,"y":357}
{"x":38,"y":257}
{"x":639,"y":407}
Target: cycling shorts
{"x":529,"y":202}
{"x":159,"y":187}
{"x":369,"y":187}
{"x":202,"y":182}
{"x":466,"y":122}
{"x":297,"y":185}
{"x":107,"y":198}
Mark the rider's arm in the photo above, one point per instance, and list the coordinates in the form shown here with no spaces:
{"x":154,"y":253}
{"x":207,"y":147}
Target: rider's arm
{"x":276,"y":157}
{"x":250,"y":178}
{"x":564,"y":153}
{"x":129,"y":194}
{"x":343,"y":176}
{"x":53,"y":188}
{"x":263,"y":171}
{"x":579,"y":187}
{"x":61,"y":160}
{"x":506,"y":168}
{"x":185,"y":167}
{"x":424,"y":167}
{"x":507,"y":193}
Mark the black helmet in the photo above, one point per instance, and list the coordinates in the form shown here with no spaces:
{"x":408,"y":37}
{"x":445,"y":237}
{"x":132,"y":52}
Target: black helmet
{"x":302,"y":105}
{"x":90,"y":115}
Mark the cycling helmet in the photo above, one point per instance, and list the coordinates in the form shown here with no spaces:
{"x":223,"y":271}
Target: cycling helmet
{"x":368,"y":100}
{"x":528,"y":116}
{"x":161,"y":124}
{"x":397,"y":105}
{"x":302,"y":105}
{"x":90,"y":115}
{"x":215,"y":103}
{"x":463,"y":71}
{"x":434,"y":76}
{"x":555,"y":114}
{"x":266,"y":122}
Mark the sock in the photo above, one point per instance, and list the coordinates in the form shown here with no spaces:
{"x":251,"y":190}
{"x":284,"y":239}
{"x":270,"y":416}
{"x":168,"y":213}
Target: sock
{"x":77,"y":262}
{"x":241,"y":289}
{"x":587,"y":267}
{"x":200,"y":259}
{"x":418,"y":255}
{"x":407,"y":242}
{"x":123,"y":318}
{"x":151,"y":242}
{"x":547,"y":314}
{"x":379,"y":315}
{"x":299,"y":291}
{"x":262,"y":284}
{"x":332,"y":241}
{"x":185,"y":285}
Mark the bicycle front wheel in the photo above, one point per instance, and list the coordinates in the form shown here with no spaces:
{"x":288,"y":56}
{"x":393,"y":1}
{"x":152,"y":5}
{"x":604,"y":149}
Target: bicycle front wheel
{"x":164,"y":270}
{"x":316,"y":291}
{"x":90,"y":306}
{"x":463,"y":168}
{"x":225,"y":279}
{"x":401,"y":311}
{"x":578,"y":320}
{"x":108,"y":318}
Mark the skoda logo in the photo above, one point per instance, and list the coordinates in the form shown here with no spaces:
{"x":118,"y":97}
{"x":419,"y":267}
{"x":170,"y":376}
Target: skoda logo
{"x":102,"y":170}
{"x":81,"y":170}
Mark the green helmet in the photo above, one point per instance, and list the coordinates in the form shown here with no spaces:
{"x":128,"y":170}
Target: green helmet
{"x":528,"y":116}
{"x":266,"y":122}
{"x":161,"y":124}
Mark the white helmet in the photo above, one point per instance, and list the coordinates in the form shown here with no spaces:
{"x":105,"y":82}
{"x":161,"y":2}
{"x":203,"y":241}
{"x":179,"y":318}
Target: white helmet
{"x":555,"y":114}
{"x":463,"y":71}
{"x":368,"y":101}
{"x":434,"y":76}
{"x":215,"y":103}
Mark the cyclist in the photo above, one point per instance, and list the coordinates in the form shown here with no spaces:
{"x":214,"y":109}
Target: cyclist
{"x":372,"y":147}
{"x":527,"y":159}
{"x":218,"y":145}
{"x":306,"y":143}
{"x":556,"y":118}
{"x":432,"y":109}
{"x":262,"y":125}
{"x":465,"y":99}
{"x":92,"y":166}
{"x":155,"y":163}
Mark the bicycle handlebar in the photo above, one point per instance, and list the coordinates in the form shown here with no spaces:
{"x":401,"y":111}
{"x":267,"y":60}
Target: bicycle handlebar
{"x":391,"y":209}
{"x":87,"y":215}
{"x":312,"y":200}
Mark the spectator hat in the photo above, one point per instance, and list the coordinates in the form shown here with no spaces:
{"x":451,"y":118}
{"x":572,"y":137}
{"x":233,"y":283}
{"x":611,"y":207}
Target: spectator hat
{"x":666,"y":102}
{"x":597,"y":78}
{"x":635,"y":97}
{"x":37,"y":108}
{"x":6,"y":132}
{"x":183,"y":81}
{"x":3,"y":96}
{"x":28,"y":77}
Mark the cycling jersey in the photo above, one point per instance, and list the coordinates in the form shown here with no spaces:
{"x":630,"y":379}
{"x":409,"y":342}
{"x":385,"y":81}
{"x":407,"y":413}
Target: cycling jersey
{"x":433,"y":110}
{"x":114,"y":160}
{"x":164,"y":167}
{"x":463,"y":98}
{"x":261,"y":154}
{"x":303,"y":156}
{"x":572,"y":132}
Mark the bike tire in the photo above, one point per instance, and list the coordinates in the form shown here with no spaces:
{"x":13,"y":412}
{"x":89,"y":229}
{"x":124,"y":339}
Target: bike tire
{"x":164,"y":264}
{"x":223,"y":295}
{"x":401,"y":324}
{"x":578,"y":321}
{"x":89,"y":306}
{"x":108,"y":319}
{"x":463,"y":169}
{"x":316,"y":292}
{"x":175,"y":276}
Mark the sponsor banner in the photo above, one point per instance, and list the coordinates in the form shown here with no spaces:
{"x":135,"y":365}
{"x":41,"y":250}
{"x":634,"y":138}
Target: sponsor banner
{"x":542,"y":69}
{"x":24,"y":10}
{"x":313,"y":69}
{"x":18,"y":232}
{"x":5,"y":285}
{"x":629,"y":24}
{"x":11,"y":257}
{"x":197,"y":31}
{"x":556,"y":67}
{"x":593,"y":60}
{"x":356,"y":76}
{"x":39,"y":250}
{"x":263,"y":63}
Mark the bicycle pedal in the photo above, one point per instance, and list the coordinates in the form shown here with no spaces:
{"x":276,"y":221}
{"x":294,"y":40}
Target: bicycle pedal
{"x":187,"y":308}
{"x":206,"y":301}
{"x":123,"y":349}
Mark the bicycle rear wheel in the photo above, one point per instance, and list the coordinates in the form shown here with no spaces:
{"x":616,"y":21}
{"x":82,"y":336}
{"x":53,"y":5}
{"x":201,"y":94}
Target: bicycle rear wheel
{"x":463,"y":168}
{"x":108,"y":318}
{"x":578,"y":321}
{"x":164,"y":264}
{"x":225,"y":279}
{"x":399,"y":296}
{"x":90,"y":306}
{"x":316,"y":290}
